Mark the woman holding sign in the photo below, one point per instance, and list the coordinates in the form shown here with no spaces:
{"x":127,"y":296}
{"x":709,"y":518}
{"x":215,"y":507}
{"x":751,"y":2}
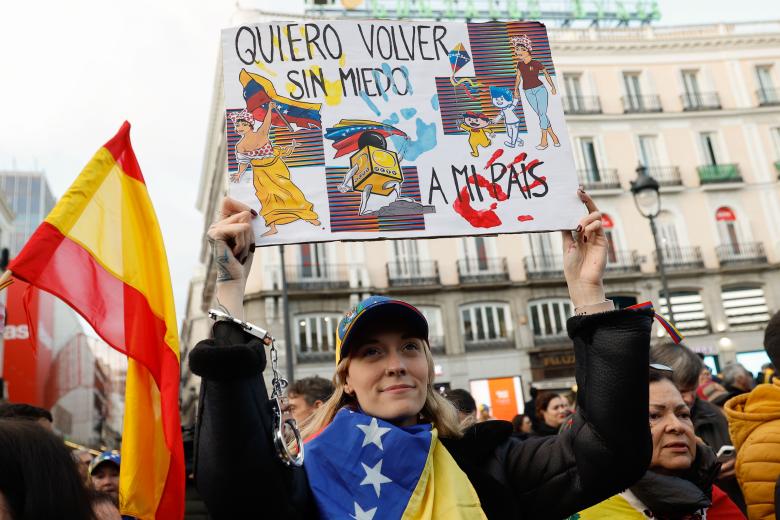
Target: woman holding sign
{"x":281,"y":201}
{"x":386,"y":444}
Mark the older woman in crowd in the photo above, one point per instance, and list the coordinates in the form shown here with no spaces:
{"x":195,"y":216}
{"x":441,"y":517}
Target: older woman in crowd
{"x":679,"y":483}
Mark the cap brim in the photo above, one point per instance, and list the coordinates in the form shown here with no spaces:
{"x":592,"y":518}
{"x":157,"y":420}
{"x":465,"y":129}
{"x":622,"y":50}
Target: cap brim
{"x":385,"y":313}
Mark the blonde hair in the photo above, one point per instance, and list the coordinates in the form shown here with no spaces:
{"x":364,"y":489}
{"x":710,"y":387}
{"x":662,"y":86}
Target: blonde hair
{"x":437,"y":410}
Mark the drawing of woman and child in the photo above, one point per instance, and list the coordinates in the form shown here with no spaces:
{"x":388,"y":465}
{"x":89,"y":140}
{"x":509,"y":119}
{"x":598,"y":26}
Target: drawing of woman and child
{"x":281,"y":201}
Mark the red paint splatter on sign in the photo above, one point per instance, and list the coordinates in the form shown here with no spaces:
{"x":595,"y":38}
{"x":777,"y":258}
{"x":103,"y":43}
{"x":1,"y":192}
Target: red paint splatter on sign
{"x":525,"y":218}
{"x":480,"y":218}
{"x":493,"y":157}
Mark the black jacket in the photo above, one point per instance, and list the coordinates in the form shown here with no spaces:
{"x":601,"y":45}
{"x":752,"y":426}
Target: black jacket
{"x":670,"y":497}
{"x":605,"y":448}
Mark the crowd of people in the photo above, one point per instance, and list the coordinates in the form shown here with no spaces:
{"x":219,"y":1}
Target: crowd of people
{"x":647,"y":432}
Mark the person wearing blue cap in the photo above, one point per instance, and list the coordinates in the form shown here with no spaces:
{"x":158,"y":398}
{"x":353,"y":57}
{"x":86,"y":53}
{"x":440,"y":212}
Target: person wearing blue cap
{"x":386,"y":444}
{"x":104,"y":473}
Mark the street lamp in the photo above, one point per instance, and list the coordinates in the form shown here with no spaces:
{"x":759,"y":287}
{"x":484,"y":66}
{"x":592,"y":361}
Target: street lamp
{"x":648,"y":202}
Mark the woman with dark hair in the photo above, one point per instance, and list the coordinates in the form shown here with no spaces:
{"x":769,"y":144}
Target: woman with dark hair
{"x":679,"y":483}
{"x":38,"y":477}
{"x":387,"y":444}
{"x":551,"y":412}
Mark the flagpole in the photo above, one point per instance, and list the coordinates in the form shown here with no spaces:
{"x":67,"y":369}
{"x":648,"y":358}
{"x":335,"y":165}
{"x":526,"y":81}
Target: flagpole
{"x":287,"y":123}
{"x":288,"y":350}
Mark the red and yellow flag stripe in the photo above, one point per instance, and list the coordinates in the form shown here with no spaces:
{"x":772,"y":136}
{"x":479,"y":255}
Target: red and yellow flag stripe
{"x":101,"y":251}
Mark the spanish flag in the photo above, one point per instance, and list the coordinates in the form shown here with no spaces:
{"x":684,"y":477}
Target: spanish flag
{"x":100,"y":250}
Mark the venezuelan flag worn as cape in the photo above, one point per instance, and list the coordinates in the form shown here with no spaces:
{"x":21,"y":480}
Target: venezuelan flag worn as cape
{"x":364,"y":468}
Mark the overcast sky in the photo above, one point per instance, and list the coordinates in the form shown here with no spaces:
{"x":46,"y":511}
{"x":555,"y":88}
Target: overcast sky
{"x":72,"y":71}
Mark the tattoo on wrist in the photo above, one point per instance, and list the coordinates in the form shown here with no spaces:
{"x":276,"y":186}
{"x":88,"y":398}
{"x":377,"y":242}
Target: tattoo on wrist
{"x":222,"y":260}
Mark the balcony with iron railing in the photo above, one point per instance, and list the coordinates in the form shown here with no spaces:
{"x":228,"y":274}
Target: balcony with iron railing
{"x":741,"y":253}
{"x":599,"y":178}
{"x":681,"y":258}
{"x":543,"y":267}
{"x":768,"y":97}
{"x":622,"y":262}
{"x":641,"y":104}
{"x":410,"y":273}
{"x":692,"y":101}
{"x":665,"y":175}
{"x":317,"y":277}
{"x":483,"y":270}
{"x":581,"y":105}
{"x":719,"y":173}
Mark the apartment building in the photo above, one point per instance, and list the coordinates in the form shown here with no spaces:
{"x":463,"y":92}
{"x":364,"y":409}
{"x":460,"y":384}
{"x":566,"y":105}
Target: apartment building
{"x":697,"y":106}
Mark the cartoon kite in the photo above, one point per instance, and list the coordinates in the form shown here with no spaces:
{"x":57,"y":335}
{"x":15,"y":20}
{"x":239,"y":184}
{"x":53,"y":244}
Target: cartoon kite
{"x":345,"y":133}
{"x":459,"y":57}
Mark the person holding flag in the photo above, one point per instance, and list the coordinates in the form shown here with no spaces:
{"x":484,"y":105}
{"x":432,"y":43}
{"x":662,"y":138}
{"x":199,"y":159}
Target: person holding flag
{"x":386,"y":444}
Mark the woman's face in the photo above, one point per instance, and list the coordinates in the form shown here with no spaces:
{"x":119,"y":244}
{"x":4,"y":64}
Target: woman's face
{"x":527,"y":425}
{"x":522,"y":53}
{"x":388,"y":373}
{"x":556,"y":412}
{"x":674,"y":443}
{"x":243,"y":127}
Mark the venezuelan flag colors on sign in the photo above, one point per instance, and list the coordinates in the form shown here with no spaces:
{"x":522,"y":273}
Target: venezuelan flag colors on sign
{"x":101,"y":251}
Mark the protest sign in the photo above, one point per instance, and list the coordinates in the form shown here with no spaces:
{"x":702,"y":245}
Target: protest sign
{"x":358,"y":130}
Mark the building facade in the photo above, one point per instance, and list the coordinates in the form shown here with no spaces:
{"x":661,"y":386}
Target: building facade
{"x":30,"y":199}
{"x":697,"y":106}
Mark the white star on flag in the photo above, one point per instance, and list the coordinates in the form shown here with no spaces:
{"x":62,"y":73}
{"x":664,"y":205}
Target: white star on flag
{"x":374,"y":477}
{"x":363,"y":515}
{"x":373,"y":433}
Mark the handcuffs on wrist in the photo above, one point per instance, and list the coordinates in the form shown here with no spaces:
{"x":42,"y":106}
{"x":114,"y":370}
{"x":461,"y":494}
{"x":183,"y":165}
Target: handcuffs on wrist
{"x":278,"y":384}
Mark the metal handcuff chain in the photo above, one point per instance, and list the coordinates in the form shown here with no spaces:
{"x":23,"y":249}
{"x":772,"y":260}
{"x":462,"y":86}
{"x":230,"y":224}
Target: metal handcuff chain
{"x":278,"y":384}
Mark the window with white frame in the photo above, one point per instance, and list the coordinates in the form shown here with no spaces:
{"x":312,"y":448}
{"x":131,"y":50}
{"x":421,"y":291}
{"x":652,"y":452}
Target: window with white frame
{"x":313,"y":261}
{"x":479,"y":254}
{"x":648,"y":150}
{"x":589,"y":159}
{"x":316,"y":332}
{"x":745,"y":307}
{"x":689,"y":315}
{"x":776,"y":141}
{"x":709,"y":148}
{"x":548,"y":317}
{"x":764,"y":77}
{"x":485,"y":322}
{"x":435,"y":326}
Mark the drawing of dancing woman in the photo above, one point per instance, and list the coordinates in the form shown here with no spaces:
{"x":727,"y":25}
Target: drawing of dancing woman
{"x":528,"y":70}
{"x":281,"y":201}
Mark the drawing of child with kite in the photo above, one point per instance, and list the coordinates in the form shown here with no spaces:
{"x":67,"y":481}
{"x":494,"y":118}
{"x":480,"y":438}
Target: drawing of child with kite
{"x":281,"y":201}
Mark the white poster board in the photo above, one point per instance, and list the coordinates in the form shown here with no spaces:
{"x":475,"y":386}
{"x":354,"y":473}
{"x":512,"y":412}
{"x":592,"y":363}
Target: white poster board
{"x":359,"y":130}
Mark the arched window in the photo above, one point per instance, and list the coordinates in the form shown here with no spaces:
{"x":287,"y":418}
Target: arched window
{"x":548,"y":317}
{"x":485,"y":322}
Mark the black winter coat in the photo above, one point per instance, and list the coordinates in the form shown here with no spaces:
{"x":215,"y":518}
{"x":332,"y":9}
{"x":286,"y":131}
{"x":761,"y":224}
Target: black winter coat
{"x":605,"y":449}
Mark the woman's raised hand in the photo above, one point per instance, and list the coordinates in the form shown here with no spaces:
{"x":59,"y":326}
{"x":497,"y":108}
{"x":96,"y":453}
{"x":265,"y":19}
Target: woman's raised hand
{"x":232,"y":243}
{"x":585,"y":259}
